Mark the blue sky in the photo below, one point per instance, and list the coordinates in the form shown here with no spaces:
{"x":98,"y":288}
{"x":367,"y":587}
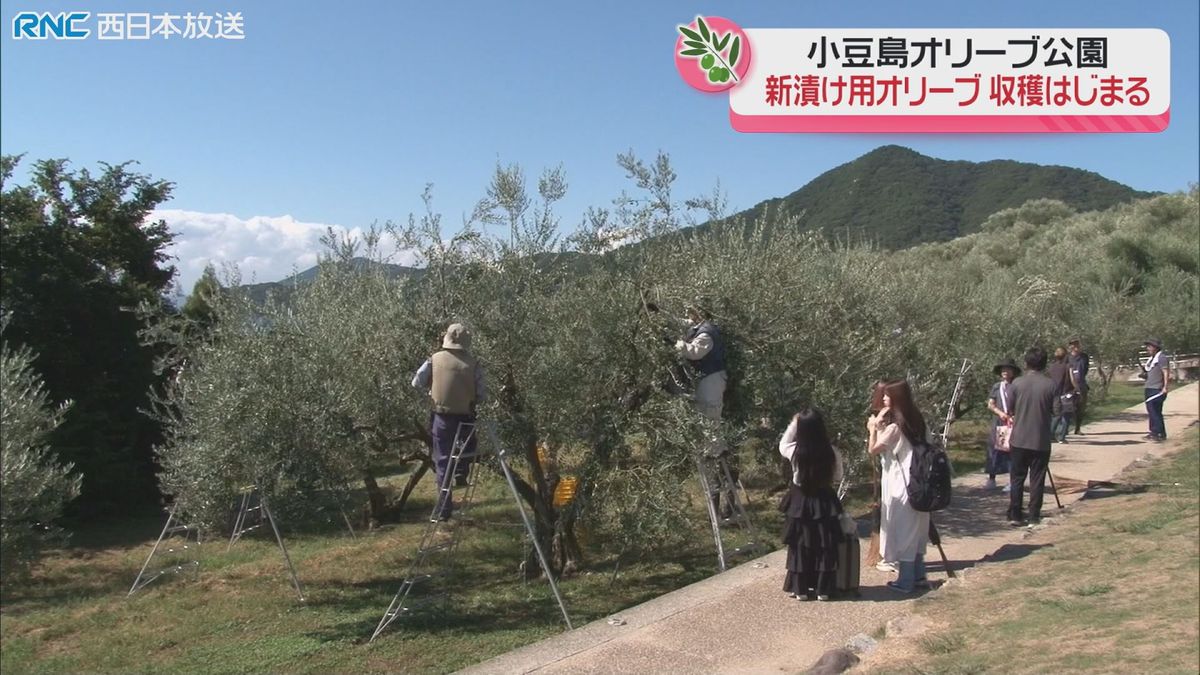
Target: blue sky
{"x":325,"y":115}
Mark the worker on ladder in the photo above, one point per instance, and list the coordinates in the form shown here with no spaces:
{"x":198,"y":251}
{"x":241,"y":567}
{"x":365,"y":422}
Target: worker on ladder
{"x":454,"y":379}
{"x":704,"y":349}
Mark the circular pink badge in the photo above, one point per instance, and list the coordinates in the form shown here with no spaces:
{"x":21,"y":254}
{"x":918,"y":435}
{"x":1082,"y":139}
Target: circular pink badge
{"x":712,"y":53}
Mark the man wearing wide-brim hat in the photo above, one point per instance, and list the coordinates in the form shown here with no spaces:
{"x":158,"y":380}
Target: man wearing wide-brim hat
{"x":1000,"y":405}
{"x":1158,"y":380}
{"x":454,"y":379}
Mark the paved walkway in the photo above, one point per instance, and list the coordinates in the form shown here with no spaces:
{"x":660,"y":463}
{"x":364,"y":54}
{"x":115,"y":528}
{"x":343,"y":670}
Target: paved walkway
{"x":740,"y":621}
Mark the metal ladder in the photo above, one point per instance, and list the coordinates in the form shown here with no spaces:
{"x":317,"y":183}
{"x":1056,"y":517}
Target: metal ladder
{"x":173,"y":526}
{"x":430,"y":540}
{"x":716,"y":479}
{"x":261,"y":512}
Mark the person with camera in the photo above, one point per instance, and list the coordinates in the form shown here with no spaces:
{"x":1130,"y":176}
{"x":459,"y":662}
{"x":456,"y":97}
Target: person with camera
{"x":1158,"y":379}
{"x":1060,"y":374}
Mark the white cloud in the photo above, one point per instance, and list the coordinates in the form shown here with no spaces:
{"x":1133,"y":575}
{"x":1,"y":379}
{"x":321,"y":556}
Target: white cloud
{"x":263,"y":248}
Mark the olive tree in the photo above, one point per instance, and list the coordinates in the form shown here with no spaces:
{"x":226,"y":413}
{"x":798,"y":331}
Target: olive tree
{"x":34,"y":486}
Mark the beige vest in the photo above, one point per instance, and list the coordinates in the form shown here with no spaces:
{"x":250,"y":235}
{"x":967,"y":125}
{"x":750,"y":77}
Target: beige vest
{"x":453,"y":388}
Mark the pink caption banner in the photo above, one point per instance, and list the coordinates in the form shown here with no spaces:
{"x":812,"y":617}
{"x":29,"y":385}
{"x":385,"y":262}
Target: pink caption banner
{"x":1012,"y":80}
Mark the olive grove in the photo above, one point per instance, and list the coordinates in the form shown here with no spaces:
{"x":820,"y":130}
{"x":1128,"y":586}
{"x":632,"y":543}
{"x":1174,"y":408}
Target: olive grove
{"x":310,"y":398}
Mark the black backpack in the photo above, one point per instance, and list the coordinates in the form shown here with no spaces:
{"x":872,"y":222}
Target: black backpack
{"x":929,"y":478}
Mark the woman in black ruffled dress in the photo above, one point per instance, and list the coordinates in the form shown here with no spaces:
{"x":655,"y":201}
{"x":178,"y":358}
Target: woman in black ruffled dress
{"x":813,"y":530}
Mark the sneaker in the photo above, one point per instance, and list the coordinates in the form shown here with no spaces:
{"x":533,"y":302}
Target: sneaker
{"x":885,"y":566}
{"x":922,"y":583}
{"x":898,"y":588}
{"x":1015,"y":522}
{"x":1008,"y":488}
{"x":822,"y":598}
{"x":990,"y":484}
{"x":1149,"y":437}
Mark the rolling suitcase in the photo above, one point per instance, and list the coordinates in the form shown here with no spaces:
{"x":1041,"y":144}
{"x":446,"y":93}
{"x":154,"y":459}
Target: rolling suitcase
{"x":849,"y":560}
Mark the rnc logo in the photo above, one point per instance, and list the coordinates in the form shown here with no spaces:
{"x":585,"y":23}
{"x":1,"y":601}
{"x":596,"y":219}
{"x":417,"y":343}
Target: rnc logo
{"x":41,"y":25}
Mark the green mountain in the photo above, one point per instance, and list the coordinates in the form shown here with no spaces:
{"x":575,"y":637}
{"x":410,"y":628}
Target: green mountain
{"x":898,"y":198}
{"x":282,"y":290}
{"x":892,"y":196}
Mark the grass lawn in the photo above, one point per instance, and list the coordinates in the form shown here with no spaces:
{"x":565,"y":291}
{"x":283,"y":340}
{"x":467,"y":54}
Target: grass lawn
{"x":1113,"y":588}
{"x":242,"y":614}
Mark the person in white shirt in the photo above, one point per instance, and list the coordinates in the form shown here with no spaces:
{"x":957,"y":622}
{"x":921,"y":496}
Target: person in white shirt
{"x":1158,"y":380}
{"x":904,"y":531}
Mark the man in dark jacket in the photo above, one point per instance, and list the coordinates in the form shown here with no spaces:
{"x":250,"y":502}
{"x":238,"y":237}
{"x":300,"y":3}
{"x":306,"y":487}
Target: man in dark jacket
{"x":1032,"y":405}
{"x":704,"y":349}
{"x":1080,"y":363}
{"x":1060,"y":374}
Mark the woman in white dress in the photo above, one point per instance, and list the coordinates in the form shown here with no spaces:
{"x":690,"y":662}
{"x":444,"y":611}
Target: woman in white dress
{"x":903,"y":531}
{"x":874,"y":557}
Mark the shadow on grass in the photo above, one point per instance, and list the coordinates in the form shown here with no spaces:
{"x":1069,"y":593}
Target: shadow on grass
{"x":76,"y":584}
{"x":484,"y":593}
{"x":1010,"y":552}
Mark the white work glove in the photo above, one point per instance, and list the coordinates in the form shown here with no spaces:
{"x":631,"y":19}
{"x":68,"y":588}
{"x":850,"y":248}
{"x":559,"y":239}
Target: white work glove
{"x":680,"y":345}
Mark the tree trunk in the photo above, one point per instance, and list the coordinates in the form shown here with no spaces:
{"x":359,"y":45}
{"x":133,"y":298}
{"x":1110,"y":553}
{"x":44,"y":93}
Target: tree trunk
{"x":377,"y":505}
{"x":412,"y":483}
{"x":1106,"y":376}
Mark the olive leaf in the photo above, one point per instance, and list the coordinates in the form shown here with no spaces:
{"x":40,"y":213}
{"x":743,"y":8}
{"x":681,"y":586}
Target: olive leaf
{"x":693,"y":52}
{"x":735,"y":51}
{"x":689,"y":33}
{"x":703,"y":27}
{"x":723,"y":41}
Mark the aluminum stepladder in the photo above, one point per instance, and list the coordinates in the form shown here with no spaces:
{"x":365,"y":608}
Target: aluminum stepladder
{"x":717,"y":479}
{"x":431,"y":542}
{"x":254,"y":507}
{"x":174,"y":525}
{"x":415,"y":572}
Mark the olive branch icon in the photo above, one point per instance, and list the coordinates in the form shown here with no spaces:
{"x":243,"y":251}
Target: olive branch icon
{"x":710,"y":47}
